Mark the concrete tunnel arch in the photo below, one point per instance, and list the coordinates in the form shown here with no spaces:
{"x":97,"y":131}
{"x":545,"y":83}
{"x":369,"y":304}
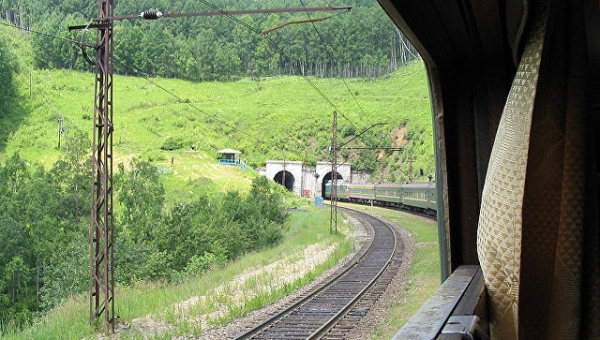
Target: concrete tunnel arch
{"x":328,"y":177}
{"x":286,"y":179}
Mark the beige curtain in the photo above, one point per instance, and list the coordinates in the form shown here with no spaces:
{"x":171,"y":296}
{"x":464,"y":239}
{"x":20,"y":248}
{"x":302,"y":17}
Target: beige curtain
{"x":533,"y":228}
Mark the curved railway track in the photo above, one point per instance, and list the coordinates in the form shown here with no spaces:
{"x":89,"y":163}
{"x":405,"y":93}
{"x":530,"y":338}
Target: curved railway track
{"x":334,"y":306}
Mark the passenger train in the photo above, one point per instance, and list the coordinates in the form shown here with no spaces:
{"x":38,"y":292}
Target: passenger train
{"x":419,"y":196}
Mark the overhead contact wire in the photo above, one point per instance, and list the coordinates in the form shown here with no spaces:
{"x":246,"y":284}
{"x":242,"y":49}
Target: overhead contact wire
{"x":332,"y":59}
{"x":39,"y":33}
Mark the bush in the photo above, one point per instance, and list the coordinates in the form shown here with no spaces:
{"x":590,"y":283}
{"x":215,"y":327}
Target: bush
{"x":154,"y":156}
{"x":216,"y":256}
{"x":172,"y":143}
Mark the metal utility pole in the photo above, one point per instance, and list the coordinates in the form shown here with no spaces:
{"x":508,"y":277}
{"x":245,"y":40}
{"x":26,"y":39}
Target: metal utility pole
{"x":410,"y":167}
{"x":101,"y":216}
{"x":102,"y":281}
{"x":333,"y":198}
{"x":284,"y":171}
{"x":61,"y":130}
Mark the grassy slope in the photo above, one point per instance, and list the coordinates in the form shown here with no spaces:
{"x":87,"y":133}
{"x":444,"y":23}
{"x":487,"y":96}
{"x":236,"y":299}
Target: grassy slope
{"x":158,"y":301}
{"x":270,"y":119}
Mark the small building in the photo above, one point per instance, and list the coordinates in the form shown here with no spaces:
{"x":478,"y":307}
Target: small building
{"x":230,"y":157}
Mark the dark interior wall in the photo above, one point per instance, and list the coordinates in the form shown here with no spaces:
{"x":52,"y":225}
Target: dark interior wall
{"x":469,"y":59}
{"x":470,"y":49}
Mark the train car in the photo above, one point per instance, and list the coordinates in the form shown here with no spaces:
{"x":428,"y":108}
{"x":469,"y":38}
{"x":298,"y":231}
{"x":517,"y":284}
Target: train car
{"x":418,"y":196}
{"x":341,"y":191}
{"x":432,"y":197}
{"x":410,"y":196}
{"x":389,"y":194}
{"x":327,"y":190}
{"x":361,"y":193}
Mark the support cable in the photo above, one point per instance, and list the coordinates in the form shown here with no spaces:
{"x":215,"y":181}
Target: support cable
{"x":181,"y":100}
{"x":332,"y":59}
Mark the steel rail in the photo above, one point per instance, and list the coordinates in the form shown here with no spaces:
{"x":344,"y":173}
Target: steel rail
{"x":288,"y":310}
{"x":332,"y":321}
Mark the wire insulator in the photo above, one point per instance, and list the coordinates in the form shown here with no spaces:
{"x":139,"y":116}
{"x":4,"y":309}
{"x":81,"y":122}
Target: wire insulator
{"x":151,"y":15}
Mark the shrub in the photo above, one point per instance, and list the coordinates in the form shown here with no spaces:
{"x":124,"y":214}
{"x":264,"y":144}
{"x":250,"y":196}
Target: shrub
{"x":216,"y":256}
{"x":154,"y":156}
{"x":172,"y":143}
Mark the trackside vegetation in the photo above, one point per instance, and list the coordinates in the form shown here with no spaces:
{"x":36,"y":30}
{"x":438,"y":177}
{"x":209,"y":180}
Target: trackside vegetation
{"x":44,"y":223}
{"x":193,"y":303}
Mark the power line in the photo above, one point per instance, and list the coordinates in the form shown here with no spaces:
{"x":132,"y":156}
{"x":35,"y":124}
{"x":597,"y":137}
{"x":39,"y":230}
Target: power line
{"x":332,"y":59}
{"x":229,"y":14}
{"x":145,"y":76}
{"x":277,"y":47}
{"x":39,"y":33}
{"x":334,"y":173}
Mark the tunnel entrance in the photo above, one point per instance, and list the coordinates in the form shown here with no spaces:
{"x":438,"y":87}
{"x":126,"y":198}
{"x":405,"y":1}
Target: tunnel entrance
{"x":328,"y":177}
{"x":286,"y":179}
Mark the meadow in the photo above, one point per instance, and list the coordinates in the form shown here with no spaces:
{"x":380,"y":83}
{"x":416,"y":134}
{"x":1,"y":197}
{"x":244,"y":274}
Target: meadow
{"x":161,"y":120}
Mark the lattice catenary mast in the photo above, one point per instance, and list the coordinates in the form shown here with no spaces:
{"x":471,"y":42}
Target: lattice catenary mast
{"x":101,"y":219}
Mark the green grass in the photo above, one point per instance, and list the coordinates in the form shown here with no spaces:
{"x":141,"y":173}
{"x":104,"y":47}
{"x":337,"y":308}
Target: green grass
{"x":159,"y":299}
{"x":282,"y":117}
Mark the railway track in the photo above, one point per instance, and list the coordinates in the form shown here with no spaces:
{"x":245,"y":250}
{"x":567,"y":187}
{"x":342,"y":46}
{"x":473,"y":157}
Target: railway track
{"x":334,"y":307}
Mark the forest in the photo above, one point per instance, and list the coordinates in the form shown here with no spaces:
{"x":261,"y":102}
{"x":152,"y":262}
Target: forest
{"x":358,"y":43}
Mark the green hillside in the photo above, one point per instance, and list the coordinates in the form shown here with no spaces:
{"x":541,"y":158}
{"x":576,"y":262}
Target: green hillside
{"x":274,"y":118}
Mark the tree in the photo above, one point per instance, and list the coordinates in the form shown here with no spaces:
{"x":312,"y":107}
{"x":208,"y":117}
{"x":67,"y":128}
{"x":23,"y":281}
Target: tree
{"x":217,"y":47}
{"x":14,"y":280}
{"x":142,"y":195}
{"x":13,"y":173}
{"x":13,"y":238}
{"x":52,"y":53}
{"x":71,"y":176}
{"x":16,"y":277}
{"x":184,"y":232}
{"x":8,"y":67}
{"x":266,"y":224}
